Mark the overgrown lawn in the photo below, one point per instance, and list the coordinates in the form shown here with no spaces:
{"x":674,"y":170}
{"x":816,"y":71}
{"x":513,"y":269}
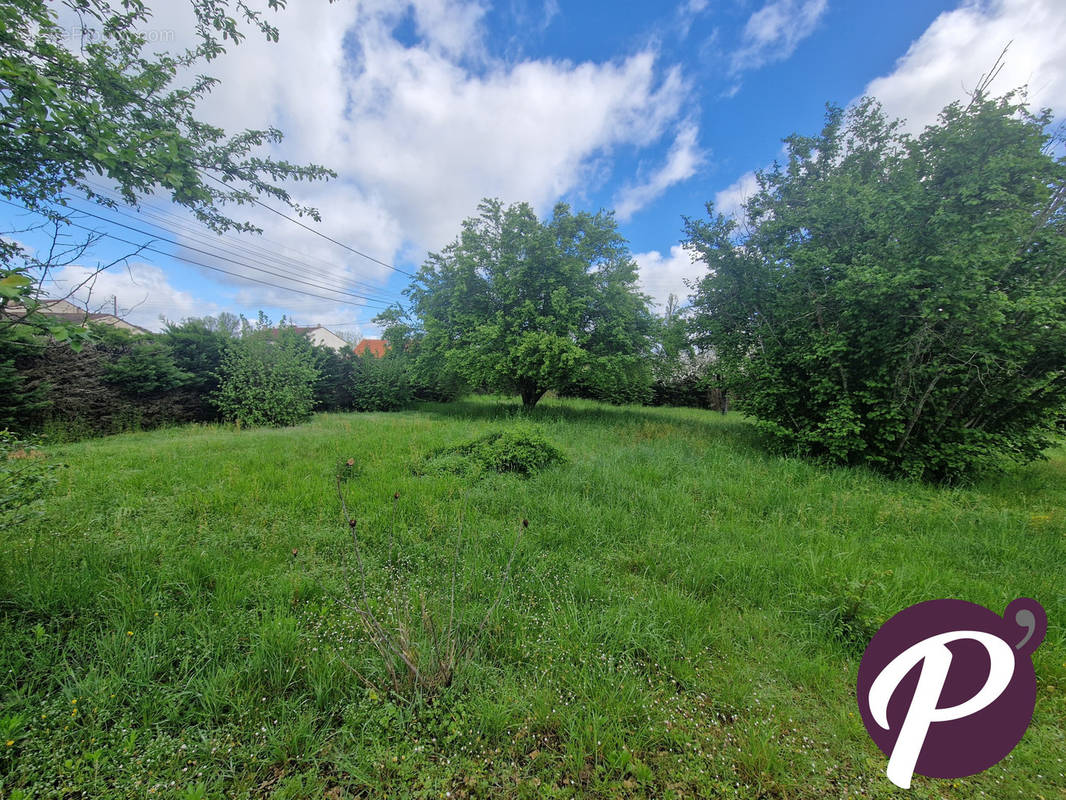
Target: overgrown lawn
{"x":684,"y":617}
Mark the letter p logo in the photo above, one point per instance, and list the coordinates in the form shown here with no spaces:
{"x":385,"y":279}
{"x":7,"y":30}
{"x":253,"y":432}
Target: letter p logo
{"x":947,"y":688}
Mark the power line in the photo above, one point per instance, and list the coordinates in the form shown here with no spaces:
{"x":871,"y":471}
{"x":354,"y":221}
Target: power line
{"x":229,"y":244}
{"x":374,"y":300}
{"x":185,"y":259}
{"x":295,"y":221}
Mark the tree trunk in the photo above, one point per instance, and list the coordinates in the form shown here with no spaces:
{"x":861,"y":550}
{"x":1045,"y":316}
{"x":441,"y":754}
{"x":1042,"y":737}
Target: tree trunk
{"x":531,"y":393}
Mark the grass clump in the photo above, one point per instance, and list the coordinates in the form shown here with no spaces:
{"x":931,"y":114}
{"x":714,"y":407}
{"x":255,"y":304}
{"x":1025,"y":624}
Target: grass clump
{"x":520,"y":449}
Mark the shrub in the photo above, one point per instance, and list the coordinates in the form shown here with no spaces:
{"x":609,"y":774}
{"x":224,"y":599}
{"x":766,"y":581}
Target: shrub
{"x":196,"y":346}
{"x":145,"y":368}
{"x":266,"y":378}
{"x":83,"y":397}
{"x":379,"y":384}
{"x":619,"y":380}
{"x":25,"y":475}
{"x":520,"y":449}
{"x":897,"y":301}
{"x":333,"y":389}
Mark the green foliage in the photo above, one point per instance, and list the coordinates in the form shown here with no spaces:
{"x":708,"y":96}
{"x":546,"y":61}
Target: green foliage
{"x":379,"y":384}
{"x":333,"y":389}
{"x":267,"y":377}
{"x":521,"y":449}
{"x":897,"y":301}
{"x":523,"y":306}
{"x":196,"y":346}
{"x":25,"y":475}
{"x":103,"y":103}
{"x":618,"y":380}
{"x":146,"y":368}
{"x":80,"y":393}
{"x":18,"y":400}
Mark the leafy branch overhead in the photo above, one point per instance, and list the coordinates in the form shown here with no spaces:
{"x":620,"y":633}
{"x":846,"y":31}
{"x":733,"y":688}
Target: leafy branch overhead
{"x":97,"y":101}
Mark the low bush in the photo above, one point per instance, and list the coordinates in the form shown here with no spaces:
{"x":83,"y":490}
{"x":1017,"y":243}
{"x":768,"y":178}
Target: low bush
{"x":521,"y":449}
{"x":267,"y":379}
{"x":25,"y":476}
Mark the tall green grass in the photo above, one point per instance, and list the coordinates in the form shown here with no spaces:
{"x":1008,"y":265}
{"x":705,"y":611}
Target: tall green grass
{"x":685,"y":614}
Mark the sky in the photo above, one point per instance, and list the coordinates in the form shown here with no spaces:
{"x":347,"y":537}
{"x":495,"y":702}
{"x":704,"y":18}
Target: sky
{"x":651,"y":110}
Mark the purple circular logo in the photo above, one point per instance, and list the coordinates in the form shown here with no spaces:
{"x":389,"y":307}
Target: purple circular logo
{"x":947,"y":688}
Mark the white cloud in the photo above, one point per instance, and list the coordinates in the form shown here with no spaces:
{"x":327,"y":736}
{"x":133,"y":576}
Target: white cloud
{"x":687,"y":13}
{"x":141,"y":294}
{"x":661,"y":276}
{"x":730,"y":201}
{"x":684,"y":158}
{"x":947,"y":60}
{"x":774,"y":32}
{"x":419,"y":134}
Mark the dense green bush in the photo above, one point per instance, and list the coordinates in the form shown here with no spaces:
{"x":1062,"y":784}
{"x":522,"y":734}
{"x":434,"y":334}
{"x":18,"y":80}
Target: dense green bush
{"x":145,"y":367}
{"x":897,"y":301}
{"x":333,"y":389}
{"x":380,"y":384}
{"x":619,"y":380}
{"x":267,"y":378}
{"x":19,"y":401}
{"x":86,"y":392}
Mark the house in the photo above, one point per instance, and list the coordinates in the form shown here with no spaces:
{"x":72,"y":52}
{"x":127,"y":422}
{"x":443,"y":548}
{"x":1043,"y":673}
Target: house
{"x":322,"y":336}
{"x":68,"y":312}
{"x":376,"y":347}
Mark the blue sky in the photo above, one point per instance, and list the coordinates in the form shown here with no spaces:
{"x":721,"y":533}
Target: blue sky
{"x":651,"y":109}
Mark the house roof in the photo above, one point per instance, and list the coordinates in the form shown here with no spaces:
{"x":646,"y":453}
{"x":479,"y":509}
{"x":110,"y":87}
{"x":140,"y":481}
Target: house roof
{"x":68,"y":312}
{"x":377,"y":347}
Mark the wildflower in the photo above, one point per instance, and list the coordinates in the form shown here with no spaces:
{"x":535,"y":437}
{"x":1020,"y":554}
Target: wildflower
{"x":10,"y":742}
{"x":129,"y":633}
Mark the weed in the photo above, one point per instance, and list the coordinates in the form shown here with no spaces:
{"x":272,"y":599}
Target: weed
{"x":418,"y":648}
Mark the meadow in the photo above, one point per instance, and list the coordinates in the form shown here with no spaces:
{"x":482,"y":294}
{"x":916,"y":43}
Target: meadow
{"x":683,"y":617}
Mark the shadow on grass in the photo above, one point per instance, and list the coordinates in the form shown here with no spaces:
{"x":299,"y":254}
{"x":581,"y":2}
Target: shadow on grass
{"x":490,"y":408}
{"x":732,"y":430}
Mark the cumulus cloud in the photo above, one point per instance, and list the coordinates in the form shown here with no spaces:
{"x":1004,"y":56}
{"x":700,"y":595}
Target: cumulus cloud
{"x":774,"y":32}
{"x":419,"y":131}
{"x":730,"y":201}
{"x":684,"y":158}
{"x":663,"y":275}
{"x":947,"y":60}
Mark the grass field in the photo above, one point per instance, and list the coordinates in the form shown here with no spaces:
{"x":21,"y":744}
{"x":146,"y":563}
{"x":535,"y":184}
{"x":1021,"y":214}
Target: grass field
{"x":684,"y":617}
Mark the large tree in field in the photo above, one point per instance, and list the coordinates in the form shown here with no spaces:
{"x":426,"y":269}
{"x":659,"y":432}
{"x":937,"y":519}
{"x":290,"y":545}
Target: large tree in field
{"x":898,"y":301}
{"x":525,"y":306}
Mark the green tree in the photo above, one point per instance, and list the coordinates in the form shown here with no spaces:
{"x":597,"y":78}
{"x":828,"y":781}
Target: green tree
{"x":197,"y":345}
{"x":146,"y":367}
{"x":898,"y":301}
{"x":522,"y":306}
{"x":267,"y":377}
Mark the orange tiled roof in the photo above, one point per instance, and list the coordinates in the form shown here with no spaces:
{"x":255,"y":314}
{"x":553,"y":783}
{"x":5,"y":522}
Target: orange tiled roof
{"x":377,"y":347}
